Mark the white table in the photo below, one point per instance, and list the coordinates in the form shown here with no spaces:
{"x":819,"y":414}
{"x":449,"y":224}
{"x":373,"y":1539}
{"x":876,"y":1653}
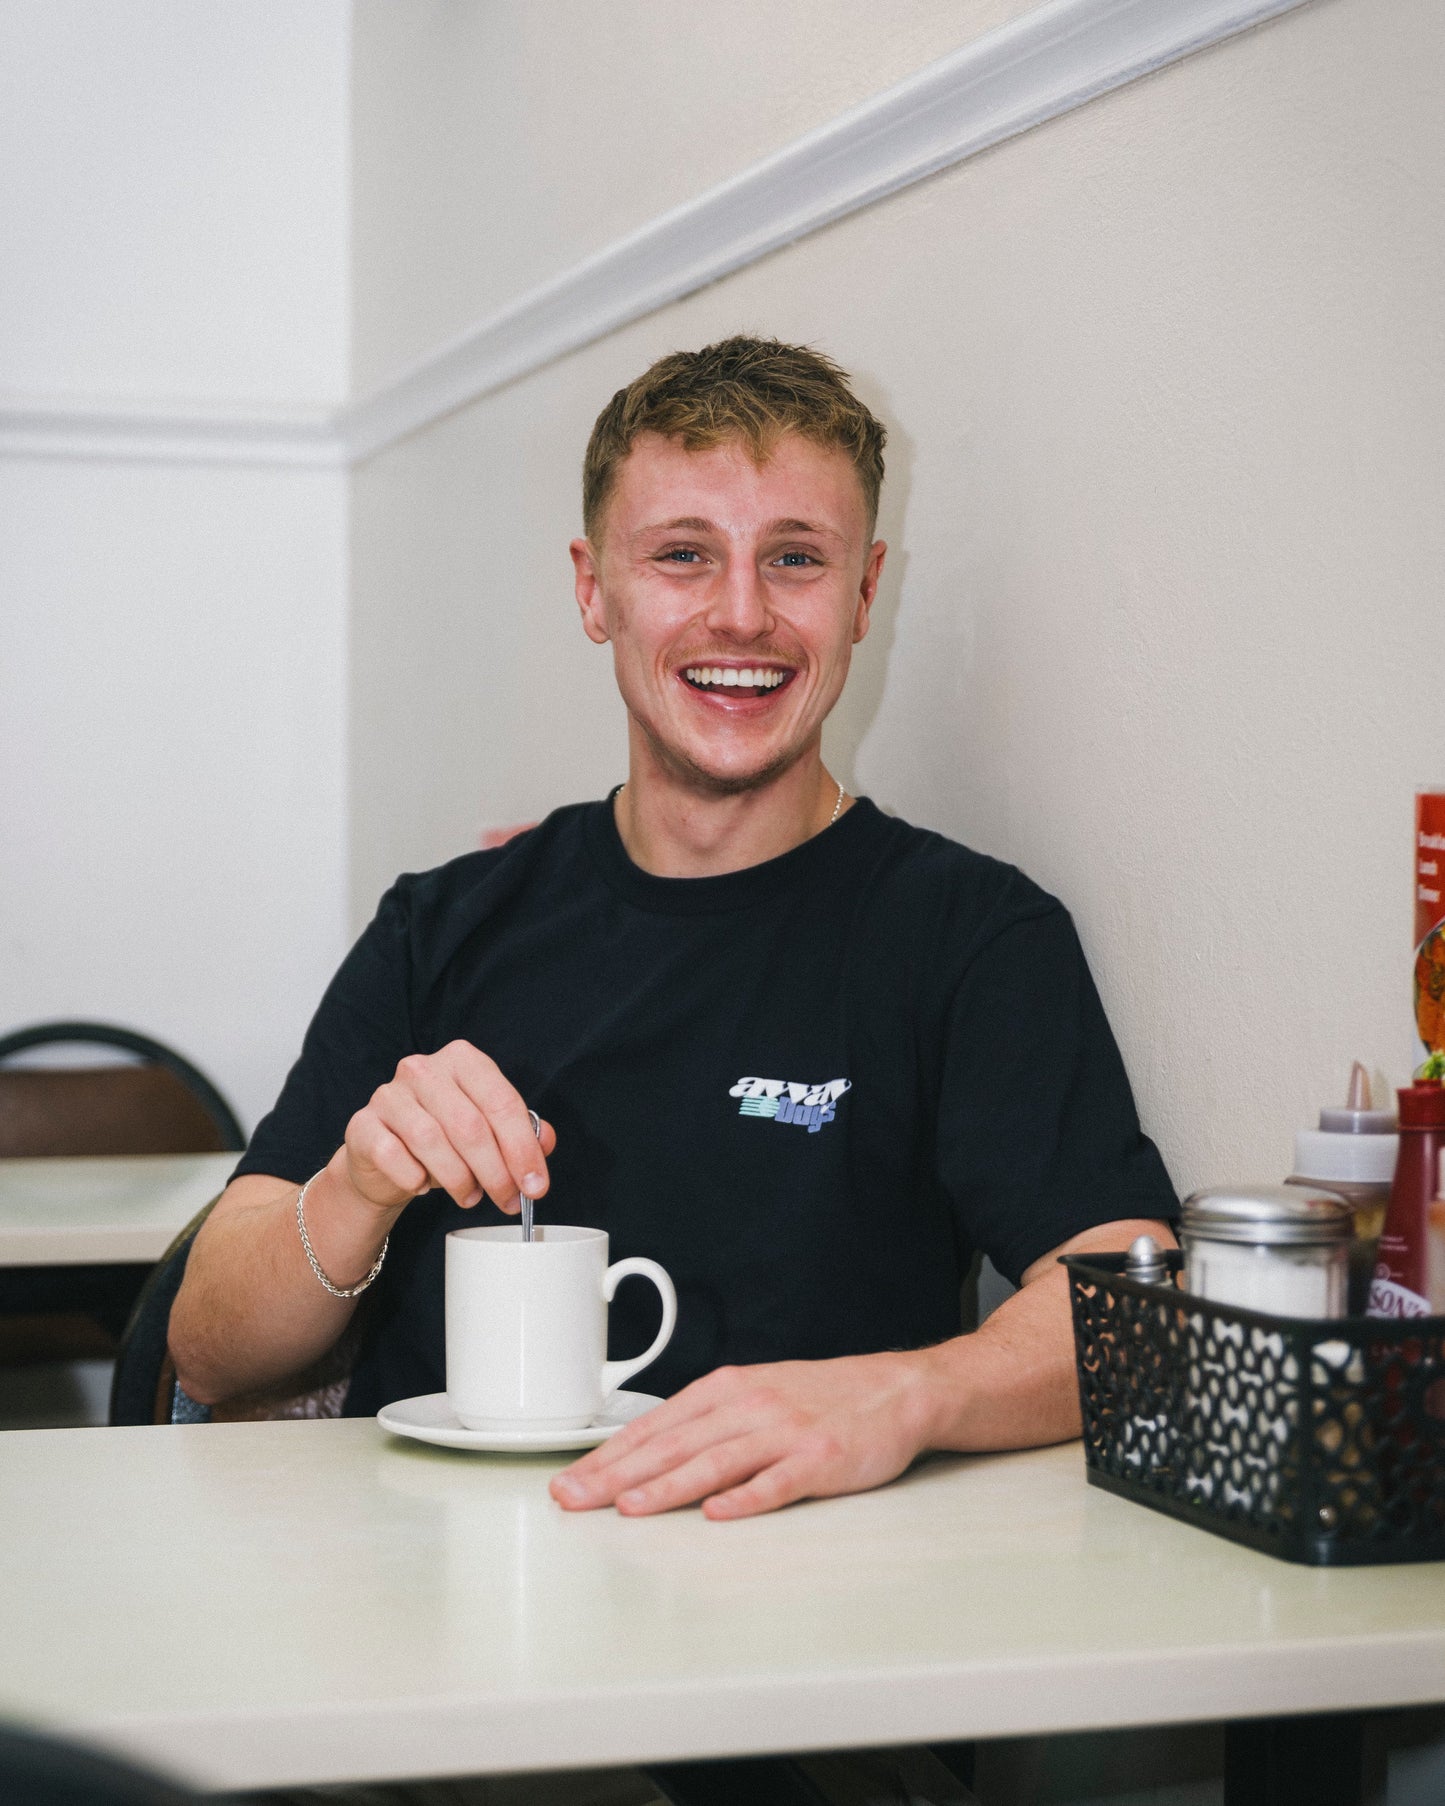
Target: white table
{"x":254,"y":1605}
{"x":104,"y":1208}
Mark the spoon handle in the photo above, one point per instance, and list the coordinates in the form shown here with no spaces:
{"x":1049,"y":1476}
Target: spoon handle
{"x":526,"y":1201}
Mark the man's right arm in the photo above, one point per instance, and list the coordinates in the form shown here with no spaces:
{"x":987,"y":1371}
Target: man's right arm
{"x":250,"y":1310}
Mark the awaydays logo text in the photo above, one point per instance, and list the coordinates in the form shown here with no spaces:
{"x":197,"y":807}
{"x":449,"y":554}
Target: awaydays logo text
{"x":804,"y":1105}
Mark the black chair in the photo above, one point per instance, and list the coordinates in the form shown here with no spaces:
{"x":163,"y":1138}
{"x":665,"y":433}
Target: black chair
{"x":145,"y":1390}
{"x":156,"y":1103}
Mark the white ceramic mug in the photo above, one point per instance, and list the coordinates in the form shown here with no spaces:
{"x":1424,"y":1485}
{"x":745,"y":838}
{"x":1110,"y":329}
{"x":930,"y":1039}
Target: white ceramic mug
{"x":527,"y":1326}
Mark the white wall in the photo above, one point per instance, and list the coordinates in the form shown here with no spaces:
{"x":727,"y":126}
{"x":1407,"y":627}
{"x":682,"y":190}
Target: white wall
{"x":173,"y":216}
{"x":171,"y":780}
{"x":1164,"y":379}
{"x":173,"y":635}
{"x":495,"y":145}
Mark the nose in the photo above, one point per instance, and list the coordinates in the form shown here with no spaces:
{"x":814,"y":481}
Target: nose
{"x":738,"y":605}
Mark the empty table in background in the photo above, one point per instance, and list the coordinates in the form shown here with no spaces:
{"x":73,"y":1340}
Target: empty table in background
{"x":104,"y":1208}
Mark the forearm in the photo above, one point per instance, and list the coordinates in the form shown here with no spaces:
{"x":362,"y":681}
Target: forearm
{"x":1012,"y":1383}
{"x":250,"y":1310}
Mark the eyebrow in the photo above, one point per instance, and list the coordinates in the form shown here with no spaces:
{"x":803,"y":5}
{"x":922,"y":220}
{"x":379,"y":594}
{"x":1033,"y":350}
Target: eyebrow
{"x":686,"y":523}
{"x":694,"y":523}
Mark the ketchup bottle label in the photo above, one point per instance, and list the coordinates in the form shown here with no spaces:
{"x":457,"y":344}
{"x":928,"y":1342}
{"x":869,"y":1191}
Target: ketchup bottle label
{"x":1387,"y":1299}
{"x":1401,"y":1286}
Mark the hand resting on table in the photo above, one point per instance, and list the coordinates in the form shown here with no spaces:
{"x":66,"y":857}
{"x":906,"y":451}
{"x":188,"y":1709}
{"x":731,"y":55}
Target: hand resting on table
{"x":749,"y":1439}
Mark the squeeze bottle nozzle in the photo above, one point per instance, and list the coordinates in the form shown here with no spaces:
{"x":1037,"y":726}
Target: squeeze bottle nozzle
{"x":1358,"y":1117}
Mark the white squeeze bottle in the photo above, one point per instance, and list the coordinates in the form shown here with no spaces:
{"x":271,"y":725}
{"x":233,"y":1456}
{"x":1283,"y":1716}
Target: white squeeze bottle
{"x":1353,"y":1153}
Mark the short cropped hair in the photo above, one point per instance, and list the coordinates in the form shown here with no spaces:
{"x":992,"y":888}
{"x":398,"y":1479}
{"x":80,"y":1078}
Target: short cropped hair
{"x":741,"y":388}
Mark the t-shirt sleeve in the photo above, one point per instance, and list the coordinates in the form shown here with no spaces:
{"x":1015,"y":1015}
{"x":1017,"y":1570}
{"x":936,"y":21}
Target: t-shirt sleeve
{"x":360,"y":1031}
{"x":1038,"y":1136}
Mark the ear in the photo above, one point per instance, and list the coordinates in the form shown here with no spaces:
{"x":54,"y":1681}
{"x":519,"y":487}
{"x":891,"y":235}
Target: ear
{"x":868,"y":588}
{"x":588,"y":587}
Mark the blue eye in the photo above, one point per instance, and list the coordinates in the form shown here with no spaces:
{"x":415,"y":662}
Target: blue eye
{"x":794,"y":559}
{"x":682,"y":554}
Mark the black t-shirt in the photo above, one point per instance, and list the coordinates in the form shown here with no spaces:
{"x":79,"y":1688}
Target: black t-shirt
{"x":811,"y":1088}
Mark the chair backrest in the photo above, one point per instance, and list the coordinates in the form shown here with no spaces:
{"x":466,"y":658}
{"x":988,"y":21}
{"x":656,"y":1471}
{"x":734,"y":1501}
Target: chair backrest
{"x":145,"y":1390}
{"x":143,"y":1387}
{"x":161,"y":1105}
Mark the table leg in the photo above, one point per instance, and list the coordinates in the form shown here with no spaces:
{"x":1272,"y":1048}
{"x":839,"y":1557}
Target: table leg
{"x":1316,"y":1761}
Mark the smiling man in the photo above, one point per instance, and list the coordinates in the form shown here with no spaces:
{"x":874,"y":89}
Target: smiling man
{"x":807,"y":1056}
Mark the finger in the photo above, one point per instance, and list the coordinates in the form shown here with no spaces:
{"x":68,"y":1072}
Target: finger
{"x":783,"y":1483}
{"x":717,"y":1468}
{"x":663,"y":1453}
{"x":585,"y":1482}
{"x":506,"y":1113}
{"x":484,"y":1158}
{"x":371,"y":1145}
{"x":702,"y":1396}
{"x":425,"y":1140}
{"x":466,"y":1129}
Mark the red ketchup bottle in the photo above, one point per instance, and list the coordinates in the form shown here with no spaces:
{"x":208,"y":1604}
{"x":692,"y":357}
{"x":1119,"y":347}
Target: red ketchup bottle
{"x":1401,"y":1285}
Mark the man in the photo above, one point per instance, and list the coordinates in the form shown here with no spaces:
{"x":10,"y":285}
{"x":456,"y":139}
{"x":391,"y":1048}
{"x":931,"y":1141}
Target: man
{"x":808,"y":1057}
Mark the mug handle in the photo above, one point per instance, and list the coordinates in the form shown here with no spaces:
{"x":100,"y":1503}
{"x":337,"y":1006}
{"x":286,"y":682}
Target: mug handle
{"x":615,"y":1372}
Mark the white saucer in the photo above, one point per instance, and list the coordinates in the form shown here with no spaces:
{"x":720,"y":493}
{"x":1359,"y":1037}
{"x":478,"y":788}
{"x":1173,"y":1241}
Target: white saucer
{"x":430,"y":1419}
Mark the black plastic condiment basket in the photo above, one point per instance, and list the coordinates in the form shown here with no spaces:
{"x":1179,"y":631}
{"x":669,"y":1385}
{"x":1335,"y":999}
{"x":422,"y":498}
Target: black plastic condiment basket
{"x":1316,"y":1441}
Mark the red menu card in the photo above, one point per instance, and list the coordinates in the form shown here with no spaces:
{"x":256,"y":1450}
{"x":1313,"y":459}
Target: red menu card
{"x":1430,"y":922}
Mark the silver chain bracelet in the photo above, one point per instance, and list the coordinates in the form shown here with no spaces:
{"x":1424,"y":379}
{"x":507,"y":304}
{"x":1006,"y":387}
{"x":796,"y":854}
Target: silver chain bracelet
{"x":335,"y":1291}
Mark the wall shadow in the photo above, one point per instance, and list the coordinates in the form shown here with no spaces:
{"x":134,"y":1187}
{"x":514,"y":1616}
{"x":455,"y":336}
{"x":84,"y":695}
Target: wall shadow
{"x":857,"y":708}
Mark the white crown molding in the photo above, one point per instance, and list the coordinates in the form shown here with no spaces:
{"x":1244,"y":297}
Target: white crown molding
{"x":51,"y":428}
{"x":1034,"y":69}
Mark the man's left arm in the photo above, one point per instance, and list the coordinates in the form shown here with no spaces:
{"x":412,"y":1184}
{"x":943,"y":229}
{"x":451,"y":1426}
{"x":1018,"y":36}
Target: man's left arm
{"x":749,"y":1439}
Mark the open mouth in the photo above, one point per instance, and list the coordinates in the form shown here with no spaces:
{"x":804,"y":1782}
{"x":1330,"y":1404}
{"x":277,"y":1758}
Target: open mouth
{"x":737,"y":681}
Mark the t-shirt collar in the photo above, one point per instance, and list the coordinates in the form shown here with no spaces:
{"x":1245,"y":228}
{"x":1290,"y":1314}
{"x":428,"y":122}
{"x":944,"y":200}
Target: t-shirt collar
{"x":808,"y":862}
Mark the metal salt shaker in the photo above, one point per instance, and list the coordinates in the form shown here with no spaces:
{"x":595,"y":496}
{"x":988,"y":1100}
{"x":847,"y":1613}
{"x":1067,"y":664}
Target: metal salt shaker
{"x":1284,"y":1249}
{"x":1150,"y":1440}
{"x":1146,"y":1262}
{"x":1279,"y":1248}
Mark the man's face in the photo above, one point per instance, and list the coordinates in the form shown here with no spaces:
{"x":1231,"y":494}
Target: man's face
{"x":733,"y":594}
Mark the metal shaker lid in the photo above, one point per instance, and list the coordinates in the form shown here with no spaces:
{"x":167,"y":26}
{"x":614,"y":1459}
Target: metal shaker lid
{"x":1267,"y":1215}
{"x":1145,"y":1261}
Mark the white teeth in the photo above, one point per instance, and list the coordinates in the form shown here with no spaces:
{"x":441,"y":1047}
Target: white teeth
{"x":732,"y":677}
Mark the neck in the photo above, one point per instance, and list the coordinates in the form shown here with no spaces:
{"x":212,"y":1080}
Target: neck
{"x":676,"y":830}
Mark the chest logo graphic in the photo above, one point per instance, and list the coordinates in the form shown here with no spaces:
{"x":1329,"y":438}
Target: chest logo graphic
{"x":806,"y":1106}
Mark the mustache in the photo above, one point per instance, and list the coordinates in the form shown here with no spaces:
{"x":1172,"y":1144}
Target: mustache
{"x":727,"y":655}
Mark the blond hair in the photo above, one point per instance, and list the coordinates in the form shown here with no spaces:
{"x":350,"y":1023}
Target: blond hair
{"x":741,"y":388}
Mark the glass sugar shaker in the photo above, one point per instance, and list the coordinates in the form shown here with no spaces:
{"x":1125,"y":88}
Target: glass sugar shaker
{"x":1279,"y":1248}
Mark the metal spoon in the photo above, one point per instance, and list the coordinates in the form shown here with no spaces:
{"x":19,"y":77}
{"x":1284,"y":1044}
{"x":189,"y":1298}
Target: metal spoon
{"x":526,"y":1201}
